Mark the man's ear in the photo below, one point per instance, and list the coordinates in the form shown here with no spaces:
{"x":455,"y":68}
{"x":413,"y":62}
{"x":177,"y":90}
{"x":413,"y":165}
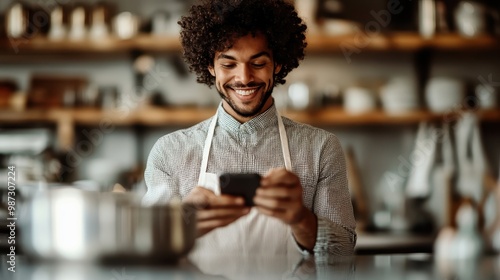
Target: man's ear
{"x":211,"y":70}
{"x":277,"y":69}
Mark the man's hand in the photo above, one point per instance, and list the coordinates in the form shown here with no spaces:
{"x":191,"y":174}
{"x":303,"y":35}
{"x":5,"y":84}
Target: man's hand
{"x":215,"y":211}
{"x":280,"y":196}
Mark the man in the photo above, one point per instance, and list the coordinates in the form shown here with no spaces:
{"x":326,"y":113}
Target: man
{"x":245,"y":48}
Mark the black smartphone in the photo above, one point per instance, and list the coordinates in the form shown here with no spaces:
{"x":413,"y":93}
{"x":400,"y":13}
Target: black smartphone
{"x":240,"y":184}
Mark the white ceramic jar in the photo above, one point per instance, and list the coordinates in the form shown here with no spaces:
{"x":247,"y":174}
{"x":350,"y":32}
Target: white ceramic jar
{"x":443,"y":94}
{"x":470,"y":18}
{"x":359,"y":100}
{"x":399,"y":95}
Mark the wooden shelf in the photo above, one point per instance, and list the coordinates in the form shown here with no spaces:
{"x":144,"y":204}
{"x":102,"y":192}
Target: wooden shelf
{"x":44,"y":45}
{"x":400,"y":42}
{"x":184,"y":116}
{"x":158,"y":43}
{"x":339,"y":117}
{"x":66,"y":119}
{"x":151,"y":116}
{"x":316,"y":43}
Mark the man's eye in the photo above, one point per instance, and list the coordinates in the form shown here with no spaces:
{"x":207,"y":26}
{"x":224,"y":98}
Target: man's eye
{"x":258,"y":65}
{"x":227,"y":66}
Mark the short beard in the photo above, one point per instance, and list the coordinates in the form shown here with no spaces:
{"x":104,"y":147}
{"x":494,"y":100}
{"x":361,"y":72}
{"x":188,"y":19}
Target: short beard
{"x":252,"y":113}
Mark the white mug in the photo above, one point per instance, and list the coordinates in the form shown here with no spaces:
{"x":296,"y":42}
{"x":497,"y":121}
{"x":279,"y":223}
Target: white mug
{"x":359,"y":100}
{"x":486,"y":96}
{"x":470,"y":18}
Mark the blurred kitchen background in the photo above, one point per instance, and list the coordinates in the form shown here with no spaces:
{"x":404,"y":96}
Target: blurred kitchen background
{"x":411,"y":89}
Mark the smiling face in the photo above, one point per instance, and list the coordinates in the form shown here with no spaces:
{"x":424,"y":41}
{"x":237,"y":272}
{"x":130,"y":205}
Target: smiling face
{"x":244,"y":77}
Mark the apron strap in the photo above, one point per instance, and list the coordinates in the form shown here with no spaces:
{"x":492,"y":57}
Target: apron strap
{"x":284,"y":142}
{"x":206,"y":150}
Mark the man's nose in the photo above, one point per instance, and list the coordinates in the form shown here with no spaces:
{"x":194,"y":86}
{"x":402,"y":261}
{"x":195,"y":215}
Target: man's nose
{"x":244,"y":74}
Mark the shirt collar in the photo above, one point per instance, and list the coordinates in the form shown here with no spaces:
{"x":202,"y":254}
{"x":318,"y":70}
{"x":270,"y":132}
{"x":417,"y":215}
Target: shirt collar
{"x":263,"y":120}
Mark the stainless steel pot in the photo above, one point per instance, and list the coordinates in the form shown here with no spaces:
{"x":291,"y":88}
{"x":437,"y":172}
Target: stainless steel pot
{"x":75,"y":225}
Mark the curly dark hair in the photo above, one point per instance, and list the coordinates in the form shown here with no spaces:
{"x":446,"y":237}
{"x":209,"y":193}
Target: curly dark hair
{"x":214,"y":25}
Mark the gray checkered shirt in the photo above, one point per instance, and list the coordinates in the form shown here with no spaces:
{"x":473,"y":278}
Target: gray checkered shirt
{"x":317,"y":158}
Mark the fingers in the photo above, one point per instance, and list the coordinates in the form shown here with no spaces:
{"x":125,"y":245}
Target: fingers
{"x":204,"y":198}
{"x":281,"y":192}
{"x":280,"y":184}
{"x":275,"y":204}
{"x":199,"y":197}
{"x":280,"y":196}
{"x":215,"y":211}
{"x":226,"y":201}
{"x":288,"y":217}
{"x":279,"y":176}
{"x":209,"y":219}
{"x":222,"y":213}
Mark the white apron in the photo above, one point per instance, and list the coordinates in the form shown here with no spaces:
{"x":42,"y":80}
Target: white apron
{"x":252,"y":234}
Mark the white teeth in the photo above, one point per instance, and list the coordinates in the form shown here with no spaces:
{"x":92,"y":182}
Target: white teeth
{"x":244,"y":92}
